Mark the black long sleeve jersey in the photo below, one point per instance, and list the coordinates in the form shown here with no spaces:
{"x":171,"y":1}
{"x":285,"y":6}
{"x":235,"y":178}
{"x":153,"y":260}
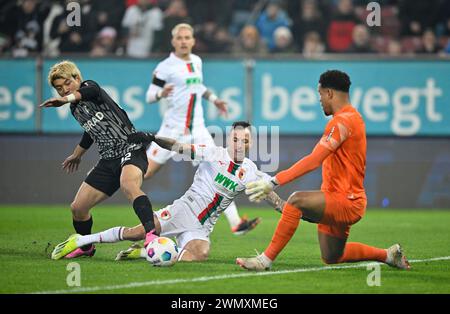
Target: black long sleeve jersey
{"x":106,"y":123}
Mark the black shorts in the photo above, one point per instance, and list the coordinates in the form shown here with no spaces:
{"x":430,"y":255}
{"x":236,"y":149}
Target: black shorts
{"x":105,"y":176}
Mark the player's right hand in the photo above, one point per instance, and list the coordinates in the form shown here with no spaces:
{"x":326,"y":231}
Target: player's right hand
{"x":71,"y":163}
{"x":222,"y":107}
{"x":167,"y":90}
{"x":258,"y":190}
{"x":54,"y":102}
{"x":141,"y":138}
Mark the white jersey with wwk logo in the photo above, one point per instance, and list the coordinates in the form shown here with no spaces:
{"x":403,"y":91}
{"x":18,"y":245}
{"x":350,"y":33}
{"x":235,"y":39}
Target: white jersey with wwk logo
{"x":217,"y":181}
{"x":185,"y":104}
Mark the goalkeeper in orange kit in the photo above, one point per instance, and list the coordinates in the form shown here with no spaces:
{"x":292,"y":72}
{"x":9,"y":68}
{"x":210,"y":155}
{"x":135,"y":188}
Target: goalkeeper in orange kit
{"x":341,"y":201}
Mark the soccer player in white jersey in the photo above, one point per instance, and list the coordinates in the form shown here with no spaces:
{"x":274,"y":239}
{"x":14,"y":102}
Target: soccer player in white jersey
{"x":179,"y":79}
{"x":220,"y":177}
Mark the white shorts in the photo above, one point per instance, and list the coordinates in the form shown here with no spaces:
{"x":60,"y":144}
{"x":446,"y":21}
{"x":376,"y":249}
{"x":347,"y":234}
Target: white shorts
{"x":161,"y":155}
{"x":178,"y":221}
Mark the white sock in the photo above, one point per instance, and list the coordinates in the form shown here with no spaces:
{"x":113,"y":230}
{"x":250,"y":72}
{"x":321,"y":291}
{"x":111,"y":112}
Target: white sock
{"x":389,"y":259}
{"x":232,"y":215}
{"x":181,"y":254}
{"x":108,"y":236}
{"x":265,"y":260}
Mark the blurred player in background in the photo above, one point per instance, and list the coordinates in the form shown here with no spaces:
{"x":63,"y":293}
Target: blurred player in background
{"x":121,"y":164}
{"x":342,"y":201}
{"x":220,"y":177}
{"x":179,"y":78}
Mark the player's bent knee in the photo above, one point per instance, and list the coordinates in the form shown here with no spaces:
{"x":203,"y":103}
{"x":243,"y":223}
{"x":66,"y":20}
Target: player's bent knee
{"x":188,"y":255}
{"x":196,"y":250}
{"x":74,"y":207}
{"x":297,"y":199}
{"x":330,"y":260}
{"x":149,"y":173}
{"x":153,"y":167}
{"x":201,"y":255}
{"x":78,"y":210}
{"x":129,"y":188}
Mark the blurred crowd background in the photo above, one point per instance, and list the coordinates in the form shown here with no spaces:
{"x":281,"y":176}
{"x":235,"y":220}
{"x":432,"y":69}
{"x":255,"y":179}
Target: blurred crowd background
{"x":141,"y":28}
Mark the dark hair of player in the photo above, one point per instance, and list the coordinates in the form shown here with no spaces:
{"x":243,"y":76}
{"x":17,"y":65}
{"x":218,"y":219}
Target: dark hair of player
{"x":336,"y":80}
{"x":240,"y":124}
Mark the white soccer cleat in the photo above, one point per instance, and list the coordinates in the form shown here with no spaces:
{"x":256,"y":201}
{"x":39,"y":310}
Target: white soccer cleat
{"x":256,"y":263}
{"x":396,"y":258}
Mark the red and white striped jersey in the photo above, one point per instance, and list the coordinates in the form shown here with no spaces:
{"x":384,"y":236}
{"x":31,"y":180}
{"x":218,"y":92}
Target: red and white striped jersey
{"x":184,"y":109}
{"x":217,"y":181}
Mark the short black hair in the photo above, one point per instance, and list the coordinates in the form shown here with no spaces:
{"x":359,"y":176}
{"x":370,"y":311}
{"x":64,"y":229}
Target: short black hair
{"x":335,"y":79}
{"x":241,"y":124}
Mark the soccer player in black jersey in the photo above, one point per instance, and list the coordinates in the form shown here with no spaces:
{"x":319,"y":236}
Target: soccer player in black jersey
{"x":121,"y":165}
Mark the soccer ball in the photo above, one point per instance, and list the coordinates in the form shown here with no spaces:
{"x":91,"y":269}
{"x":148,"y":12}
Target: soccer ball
{"x":162,"y":251}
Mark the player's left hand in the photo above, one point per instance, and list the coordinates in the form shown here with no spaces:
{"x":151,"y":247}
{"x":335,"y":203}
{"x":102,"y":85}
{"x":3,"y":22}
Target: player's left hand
{"x":54,"y":102}
{"x":222,"y":106}
{"x":71,"y":163}
{"x":258,"y":190}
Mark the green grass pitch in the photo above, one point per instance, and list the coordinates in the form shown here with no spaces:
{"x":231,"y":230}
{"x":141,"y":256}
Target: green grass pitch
{"x":25,"y":267}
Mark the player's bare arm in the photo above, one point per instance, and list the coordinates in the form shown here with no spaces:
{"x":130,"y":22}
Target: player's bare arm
{"x":305,"y":165}
{"x":171,"y":144}
{"x":59,"y":101}
{"x":166,"y":91}
{"x":163,"y":142}
{"x":71,"y":163}
{"x":258,"y":190}
{"x":155,"y":93}
{"x":274,"y":200}
{"x":219,"y":103}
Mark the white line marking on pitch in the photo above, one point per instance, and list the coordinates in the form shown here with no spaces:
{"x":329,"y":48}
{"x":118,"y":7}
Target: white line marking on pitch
{"x":221,"y":277}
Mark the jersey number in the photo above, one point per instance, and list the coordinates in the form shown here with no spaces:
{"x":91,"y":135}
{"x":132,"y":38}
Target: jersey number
{"x":125,"y":158}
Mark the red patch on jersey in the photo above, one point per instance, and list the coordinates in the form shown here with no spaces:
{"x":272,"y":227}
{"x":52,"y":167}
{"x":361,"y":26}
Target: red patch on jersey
{"x":154,"y":152}
{"x":241,"y":173}
{"x":165,"y":215}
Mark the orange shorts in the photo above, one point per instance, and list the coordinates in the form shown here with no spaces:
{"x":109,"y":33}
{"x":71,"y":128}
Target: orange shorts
{"x":340,"y":213}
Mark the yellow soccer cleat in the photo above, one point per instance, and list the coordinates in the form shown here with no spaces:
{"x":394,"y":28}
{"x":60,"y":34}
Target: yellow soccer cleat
{"x":65,"y":247}
{"x":133,"y":252}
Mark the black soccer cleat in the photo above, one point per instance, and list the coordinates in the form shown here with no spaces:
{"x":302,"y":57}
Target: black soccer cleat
{"x":245,"y":226}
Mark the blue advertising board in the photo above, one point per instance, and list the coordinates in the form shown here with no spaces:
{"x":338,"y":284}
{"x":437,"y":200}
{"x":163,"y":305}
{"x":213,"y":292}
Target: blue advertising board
{"x":395,"y":98}
{"x":398,"y":98}
{"x":17,"y":95}
{"x":127,"y":81}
